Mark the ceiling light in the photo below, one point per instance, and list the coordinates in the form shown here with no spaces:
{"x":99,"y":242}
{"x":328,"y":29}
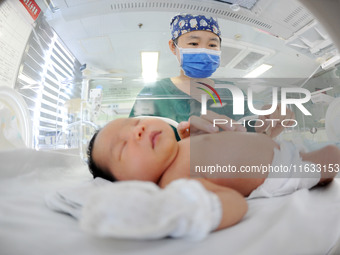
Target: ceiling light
{"x":149,"y":65}
{"x":258,"y":71}
{"x":331,"y":62}
{"x":249,"y":4}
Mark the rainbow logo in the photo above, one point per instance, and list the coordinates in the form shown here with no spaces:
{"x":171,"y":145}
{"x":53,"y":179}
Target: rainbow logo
{"x":209,"y":93}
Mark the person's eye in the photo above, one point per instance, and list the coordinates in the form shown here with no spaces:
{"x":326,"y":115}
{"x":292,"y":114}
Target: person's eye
{"x":213,"y":45}
{"x":193,"y":43}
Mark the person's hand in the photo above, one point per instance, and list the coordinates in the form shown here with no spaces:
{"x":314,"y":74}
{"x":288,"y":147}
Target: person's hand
{"x":272,"y":123}
{"x":205,"y":125}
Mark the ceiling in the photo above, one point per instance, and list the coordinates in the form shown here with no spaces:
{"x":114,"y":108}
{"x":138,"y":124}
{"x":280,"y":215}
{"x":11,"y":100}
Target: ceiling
{"x":109,"y":35}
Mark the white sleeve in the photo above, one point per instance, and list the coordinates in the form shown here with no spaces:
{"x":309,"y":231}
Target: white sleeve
{"x":141,"y":210}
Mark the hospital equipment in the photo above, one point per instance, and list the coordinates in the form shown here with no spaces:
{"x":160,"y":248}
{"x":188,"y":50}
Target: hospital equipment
{"x":50,"y":106}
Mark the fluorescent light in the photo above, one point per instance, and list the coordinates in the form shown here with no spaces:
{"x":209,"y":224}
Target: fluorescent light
{"x":258,"y":71}
{"x":149,"y":65}
{"x":331,"y":62}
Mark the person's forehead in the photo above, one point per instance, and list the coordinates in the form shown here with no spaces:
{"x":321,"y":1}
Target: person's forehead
{"x":119,"y":124}
{"x":111,"y":130}
{"x":107,"y":138}
{"x":200,"y":35}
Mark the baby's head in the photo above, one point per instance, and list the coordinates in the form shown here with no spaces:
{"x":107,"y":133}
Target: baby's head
{"x":132,"y":149}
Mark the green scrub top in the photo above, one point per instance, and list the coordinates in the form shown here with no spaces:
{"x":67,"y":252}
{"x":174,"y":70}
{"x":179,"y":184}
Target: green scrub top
{"x":164,"y":99}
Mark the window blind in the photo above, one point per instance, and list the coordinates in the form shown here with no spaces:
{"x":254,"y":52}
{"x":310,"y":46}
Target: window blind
{"x":49,"y":77}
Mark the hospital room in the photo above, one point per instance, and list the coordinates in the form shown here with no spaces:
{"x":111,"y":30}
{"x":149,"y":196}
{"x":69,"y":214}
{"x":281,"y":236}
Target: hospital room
{"x":257,"y":78}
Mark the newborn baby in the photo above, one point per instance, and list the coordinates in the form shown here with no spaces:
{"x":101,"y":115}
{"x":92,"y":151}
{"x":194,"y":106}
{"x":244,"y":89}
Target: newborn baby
{"x":147,"y":150}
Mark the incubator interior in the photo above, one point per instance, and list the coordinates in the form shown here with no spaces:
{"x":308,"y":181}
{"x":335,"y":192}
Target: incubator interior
{"x":85,"y":62}
{"x":68,"y":67}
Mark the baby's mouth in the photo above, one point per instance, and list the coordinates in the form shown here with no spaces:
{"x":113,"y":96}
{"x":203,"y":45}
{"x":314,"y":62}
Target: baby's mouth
{"x":153,"y":137}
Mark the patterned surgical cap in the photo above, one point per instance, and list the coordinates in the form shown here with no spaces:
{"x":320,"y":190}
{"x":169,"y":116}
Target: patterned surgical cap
{"x":185,"y":23}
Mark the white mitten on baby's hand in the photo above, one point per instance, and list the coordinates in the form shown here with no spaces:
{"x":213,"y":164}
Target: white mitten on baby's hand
{"x":142,"y":210}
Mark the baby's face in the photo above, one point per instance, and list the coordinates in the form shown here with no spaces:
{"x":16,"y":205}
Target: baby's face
{"x":135,"y":149}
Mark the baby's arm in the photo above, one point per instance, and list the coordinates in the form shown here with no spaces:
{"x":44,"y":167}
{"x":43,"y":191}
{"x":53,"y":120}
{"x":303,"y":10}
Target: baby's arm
{"x":234,"y":205}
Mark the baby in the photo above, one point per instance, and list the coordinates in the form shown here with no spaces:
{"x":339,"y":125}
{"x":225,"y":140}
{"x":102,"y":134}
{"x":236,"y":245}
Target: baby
{"x":147,"y":150}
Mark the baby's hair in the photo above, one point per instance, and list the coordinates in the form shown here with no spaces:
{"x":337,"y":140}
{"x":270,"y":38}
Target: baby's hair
{"x":95,"y":170}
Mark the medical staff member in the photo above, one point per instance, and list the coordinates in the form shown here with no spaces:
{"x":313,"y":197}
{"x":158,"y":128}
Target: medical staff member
{"x":196,"y":43}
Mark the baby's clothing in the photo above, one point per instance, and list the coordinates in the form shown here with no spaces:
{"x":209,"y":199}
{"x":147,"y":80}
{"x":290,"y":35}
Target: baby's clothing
{"x":142,"y":210}
{"x":139,"y":209}
{"x":290,"y":173}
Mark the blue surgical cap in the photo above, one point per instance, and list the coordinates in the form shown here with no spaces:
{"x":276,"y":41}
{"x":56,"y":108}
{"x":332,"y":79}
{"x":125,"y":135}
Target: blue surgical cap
{"x":185,"y":23}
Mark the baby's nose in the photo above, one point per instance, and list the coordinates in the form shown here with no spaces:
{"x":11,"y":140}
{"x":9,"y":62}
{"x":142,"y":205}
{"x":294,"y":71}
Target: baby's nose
{"x":139,"y":131}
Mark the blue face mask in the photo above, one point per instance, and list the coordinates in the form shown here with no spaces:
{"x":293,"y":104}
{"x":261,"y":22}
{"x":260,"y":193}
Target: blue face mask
{"x":199,"y":62}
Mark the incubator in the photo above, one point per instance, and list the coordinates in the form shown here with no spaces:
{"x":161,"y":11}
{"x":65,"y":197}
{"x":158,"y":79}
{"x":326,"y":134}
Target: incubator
{"x":81,"y":66}
{"x":68,"y":67}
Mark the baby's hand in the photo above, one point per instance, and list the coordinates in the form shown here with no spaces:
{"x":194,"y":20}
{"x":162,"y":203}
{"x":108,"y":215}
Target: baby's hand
{"x":195,"y":127}
{"x":204,"y":125}
{"x":183,"y":129}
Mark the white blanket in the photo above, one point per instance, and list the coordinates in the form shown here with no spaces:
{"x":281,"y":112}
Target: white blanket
{"x":305,"y":222}
{"x":140,"y":210}
{"x":71,"y":200}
